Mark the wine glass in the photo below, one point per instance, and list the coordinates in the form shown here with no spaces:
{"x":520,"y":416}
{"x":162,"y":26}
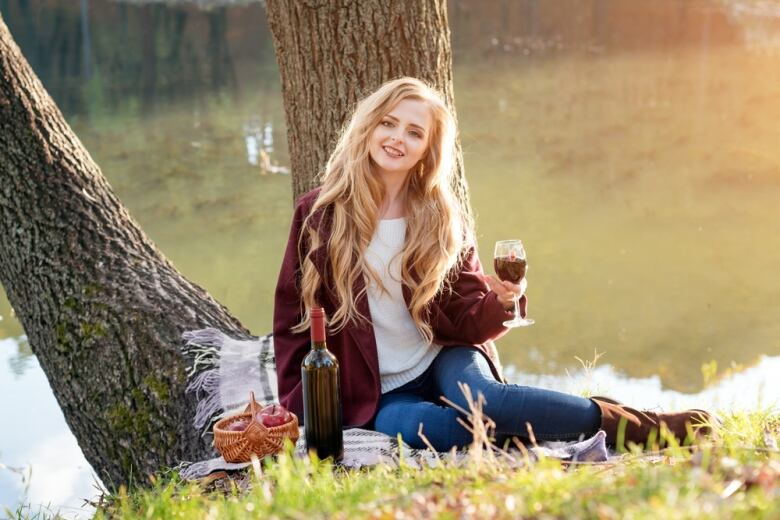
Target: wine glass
{"x":510,"y":263}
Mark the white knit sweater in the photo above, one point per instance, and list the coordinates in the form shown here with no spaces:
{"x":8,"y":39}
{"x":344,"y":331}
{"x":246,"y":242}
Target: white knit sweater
{"x":402,"y":351}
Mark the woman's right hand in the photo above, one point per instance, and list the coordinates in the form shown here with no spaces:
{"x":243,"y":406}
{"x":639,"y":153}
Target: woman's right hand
{"x":508,"y":291}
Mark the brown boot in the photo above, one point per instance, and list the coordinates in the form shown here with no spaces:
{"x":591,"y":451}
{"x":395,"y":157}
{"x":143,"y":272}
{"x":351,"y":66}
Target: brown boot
{"x":640,"y":424}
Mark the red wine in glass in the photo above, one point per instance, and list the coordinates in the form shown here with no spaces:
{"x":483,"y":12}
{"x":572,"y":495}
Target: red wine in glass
{"x":510,"y":263}
{"x":511,"y":269}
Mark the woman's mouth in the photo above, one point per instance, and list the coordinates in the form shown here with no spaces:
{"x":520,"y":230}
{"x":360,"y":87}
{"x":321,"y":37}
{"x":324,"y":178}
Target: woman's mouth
{"x":393,"y":152}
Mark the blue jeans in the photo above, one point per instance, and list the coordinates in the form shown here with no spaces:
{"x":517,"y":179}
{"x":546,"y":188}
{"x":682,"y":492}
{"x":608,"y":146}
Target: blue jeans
{"x":552,"y":415}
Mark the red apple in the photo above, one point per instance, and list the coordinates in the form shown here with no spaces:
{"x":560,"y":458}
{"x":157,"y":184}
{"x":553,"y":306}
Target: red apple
{"x":238,"y":426}
{"x":274,"y":415}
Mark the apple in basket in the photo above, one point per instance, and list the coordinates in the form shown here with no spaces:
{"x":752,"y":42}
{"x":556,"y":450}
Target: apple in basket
{"x":273,"y":415}
{"x":238,"y":426}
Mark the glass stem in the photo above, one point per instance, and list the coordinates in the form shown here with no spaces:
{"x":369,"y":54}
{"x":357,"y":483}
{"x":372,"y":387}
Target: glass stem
{"x":517,"y":308}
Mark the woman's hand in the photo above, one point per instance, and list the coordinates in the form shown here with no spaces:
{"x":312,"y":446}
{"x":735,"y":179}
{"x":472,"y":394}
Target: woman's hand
{"x":507,"y":292}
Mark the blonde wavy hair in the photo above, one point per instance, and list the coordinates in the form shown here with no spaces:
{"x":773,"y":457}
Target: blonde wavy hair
{"x":438,"y":227}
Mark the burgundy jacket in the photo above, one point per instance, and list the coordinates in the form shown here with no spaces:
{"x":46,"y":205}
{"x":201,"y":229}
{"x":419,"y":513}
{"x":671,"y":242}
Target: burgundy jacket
{"x":470,"y":314}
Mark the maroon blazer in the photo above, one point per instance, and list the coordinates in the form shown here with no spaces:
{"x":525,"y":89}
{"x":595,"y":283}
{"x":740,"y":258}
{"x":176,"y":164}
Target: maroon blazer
{"x":470,"y":314}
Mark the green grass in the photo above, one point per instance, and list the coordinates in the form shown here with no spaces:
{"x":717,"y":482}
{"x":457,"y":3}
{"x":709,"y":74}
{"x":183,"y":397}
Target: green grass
{"x":734,"y":477}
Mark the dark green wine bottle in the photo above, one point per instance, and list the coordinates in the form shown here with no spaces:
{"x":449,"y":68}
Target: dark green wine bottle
{"x":321,"y":395}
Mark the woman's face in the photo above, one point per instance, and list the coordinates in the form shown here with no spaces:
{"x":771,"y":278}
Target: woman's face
{"x":400,"y":139}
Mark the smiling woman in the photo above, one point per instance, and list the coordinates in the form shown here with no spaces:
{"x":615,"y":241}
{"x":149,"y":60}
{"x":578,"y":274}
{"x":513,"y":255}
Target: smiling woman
{"x":387,"y":251}
{"x":376,"y":172}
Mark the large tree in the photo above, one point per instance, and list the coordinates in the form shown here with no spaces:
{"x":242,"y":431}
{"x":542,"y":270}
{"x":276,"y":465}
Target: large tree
{"x":102,"y":307}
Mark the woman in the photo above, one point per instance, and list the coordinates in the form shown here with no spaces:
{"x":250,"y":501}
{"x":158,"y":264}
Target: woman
{"x":385,"y":248}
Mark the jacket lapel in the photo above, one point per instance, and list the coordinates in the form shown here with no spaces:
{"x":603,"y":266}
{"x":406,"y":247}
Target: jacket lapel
{"x":363,"y":333}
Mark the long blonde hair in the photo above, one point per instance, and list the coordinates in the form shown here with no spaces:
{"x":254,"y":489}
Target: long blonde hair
{"x":438,"y":227}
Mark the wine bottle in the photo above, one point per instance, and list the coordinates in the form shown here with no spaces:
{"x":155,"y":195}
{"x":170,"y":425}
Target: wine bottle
{"x":321,"y":395}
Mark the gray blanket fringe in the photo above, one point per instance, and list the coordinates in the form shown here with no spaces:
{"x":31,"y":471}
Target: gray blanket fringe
{"x":202,"y":348}
{"x":223,"y":370}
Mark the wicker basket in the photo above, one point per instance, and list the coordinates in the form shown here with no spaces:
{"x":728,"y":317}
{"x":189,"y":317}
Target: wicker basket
{"x":238,"y":446}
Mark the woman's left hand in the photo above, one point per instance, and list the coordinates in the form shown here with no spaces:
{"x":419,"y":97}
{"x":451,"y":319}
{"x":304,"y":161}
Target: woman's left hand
{"x":507,"y":291}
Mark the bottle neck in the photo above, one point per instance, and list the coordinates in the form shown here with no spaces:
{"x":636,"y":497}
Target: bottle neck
{"x":317,"y":329}
{"x":319,"y":345}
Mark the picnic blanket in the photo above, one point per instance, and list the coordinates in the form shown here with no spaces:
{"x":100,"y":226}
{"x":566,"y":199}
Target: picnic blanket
{"x":223,"y":371}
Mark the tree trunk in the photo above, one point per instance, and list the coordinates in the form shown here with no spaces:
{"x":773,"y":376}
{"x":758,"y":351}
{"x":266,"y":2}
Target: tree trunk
{"x":333,"y":52}
{"x":103,"y":309}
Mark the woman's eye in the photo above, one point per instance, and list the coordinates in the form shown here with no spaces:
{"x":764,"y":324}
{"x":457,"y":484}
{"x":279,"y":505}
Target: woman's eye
{"x":387,"y":123}
{"x":415,"y":134}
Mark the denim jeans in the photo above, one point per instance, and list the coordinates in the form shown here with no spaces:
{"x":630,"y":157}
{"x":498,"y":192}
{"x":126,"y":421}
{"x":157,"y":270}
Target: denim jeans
{"x":552,"y":415}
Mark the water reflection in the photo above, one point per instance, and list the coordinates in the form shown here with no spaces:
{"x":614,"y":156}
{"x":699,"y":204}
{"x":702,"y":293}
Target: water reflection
{"x":259,"y":139}
{"x":103,"y":55}
{"x":86,"y":42}
{"x":23,"y":359}
{"x":754,"y":388}
{"x":107,"y":56}
{"x":537,"y":28}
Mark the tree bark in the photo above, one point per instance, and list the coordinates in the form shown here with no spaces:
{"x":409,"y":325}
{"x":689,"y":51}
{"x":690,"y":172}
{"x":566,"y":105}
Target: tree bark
{"x":103,"y":309}
{"x":333,"y":52}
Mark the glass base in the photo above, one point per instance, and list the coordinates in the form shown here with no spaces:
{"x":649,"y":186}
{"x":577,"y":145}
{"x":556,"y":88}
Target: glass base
{"x":519,"y":322}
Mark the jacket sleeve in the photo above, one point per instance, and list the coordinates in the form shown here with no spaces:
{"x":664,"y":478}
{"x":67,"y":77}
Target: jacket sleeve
{"x":290,"y":348}
{"x":471,"y":311}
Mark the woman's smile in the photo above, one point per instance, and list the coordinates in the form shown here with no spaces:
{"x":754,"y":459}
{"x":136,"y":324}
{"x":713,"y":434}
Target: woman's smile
{"x":393,"y":152}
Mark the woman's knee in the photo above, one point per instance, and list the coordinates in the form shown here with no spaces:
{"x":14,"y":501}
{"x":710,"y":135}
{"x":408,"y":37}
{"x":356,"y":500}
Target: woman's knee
{"x":459,"y":354}
{"x":462,"y":362}
{"x":474,"y":389}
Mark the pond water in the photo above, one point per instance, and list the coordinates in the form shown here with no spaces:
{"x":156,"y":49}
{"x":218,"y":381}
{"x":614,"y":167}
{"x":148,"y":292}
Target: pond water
{"x":631,"y":145}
